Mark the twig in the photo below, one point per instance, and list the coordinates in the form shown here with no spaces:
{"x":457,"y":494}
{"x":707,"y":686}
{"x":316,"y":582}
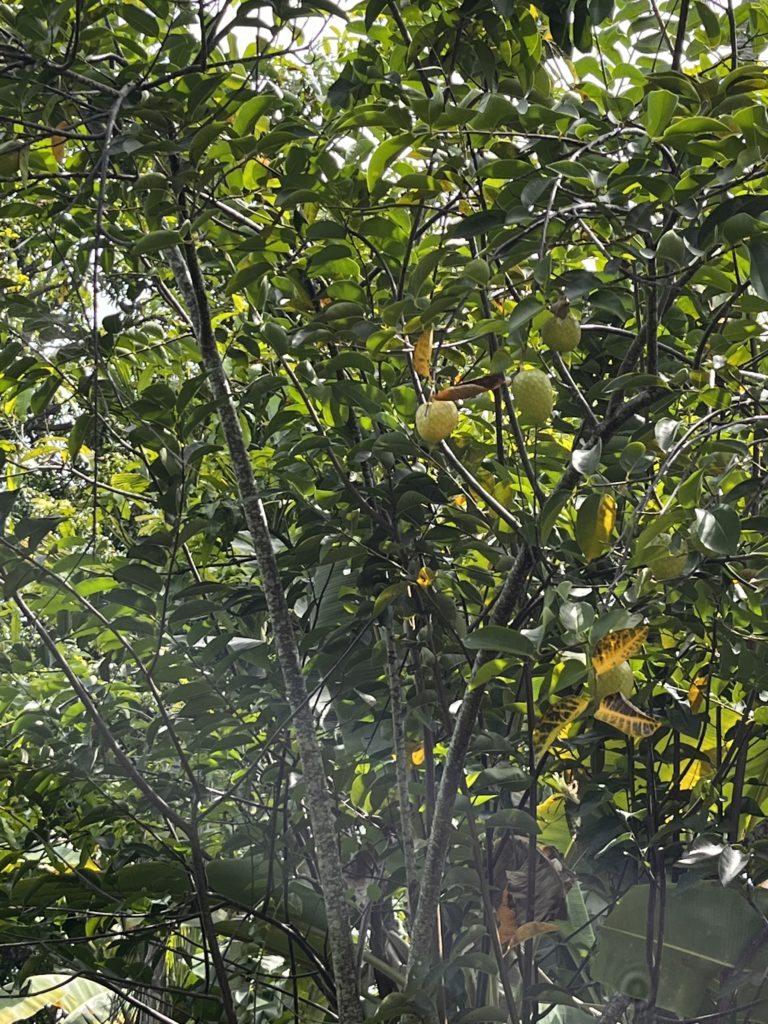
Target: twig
{"x":99,"y":721}
{"x":398,"y":710}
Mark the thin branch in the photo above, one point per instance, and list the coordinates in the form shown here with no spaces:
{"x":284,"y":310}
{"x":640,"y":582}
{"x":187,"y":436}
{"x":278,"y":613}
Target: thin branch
{"x":99,"y":721}
{"x":398,"y":711}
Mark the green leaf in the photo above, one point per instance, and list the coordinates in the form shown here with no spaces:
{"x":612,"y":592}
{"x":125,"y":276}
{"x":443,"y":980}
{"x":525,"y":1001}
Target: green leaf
{"x":758,"y":264}
{"x":707,"y":930}
{"x":383,"y":156}
{"x":388,"y":595}
{"x":499,"y":638}
{"x":495,"y":110}
{"x":686,"y":129}
{"x":477,"y":962}
{"x":524,"y":311}
{"x":488,"y":670}
{"x":512,"y":817}
{"x":717,"y":532}
{"x":550,"y":511}
{"x":660,"y":107}
{"x":155,"y":241}
{"x":203,"y":137}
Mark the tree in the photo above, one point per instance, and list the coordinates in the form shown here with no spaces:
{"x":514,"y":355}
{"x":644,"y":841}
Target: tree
{"x":312,"y":715}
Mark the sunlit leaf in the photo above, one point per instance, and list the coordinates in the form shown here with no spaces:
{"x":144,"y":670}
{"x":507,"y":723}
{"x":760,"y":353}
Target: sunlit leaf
{"x":616,"y":710}
{"x":614,"y":648}
{"x":554,"y":723}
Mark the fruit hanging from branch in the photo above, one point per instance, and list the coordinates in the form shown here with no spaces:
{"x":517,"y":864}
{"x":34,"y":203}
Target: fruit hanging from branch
{"x":435,"y":421}
{"x":619,"y":679}
{"x":534,"y":396}
{"x":671,"y":564}
{"x":561,"y":331}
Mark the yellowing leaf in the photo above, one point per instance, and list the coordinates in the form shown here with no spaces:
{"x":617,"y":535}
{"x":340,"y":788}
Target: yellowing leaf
{"x":594,"y":524}
{"x":668,"y":639}
{"x":701,"y":768}
{"x":622,"y":714}
{"x":617,"y":647}
{"x":506,"y":923}
{"x":506,"y":919}
{"x":531,"y":929}
{"x":697,"y":692}
{"x":426,"y":577}
{"x":58,"y":142}
{"x":555,"y":721}
{"x":417,"y":756}
{"x":422,"y":353}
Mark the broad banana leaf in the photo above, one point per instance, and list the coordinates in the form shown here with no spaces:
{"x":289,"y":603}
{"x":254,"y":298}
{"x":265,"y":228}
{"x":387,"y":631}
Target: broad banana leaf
{"x":714,"y":947}
{"x":83,"y":1001}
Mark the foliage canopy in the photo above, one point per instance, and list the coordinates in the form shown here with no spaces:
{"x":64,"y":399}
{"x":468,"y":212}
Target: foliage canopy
{"x":287,"y":690}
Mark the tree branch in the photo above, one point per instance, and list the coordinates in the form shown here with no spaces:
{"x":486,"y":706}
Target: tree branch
{"x":320,"y":805}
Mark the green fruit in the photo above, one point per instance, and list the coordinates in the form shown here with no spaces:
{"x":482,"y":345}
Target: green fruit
{"x":436,"y":420}
{"x":669,"y":567}
{"x":561,"y":333}
{"x":478,"y":271}
{"x":533,"y":395}
{"x":620,"y":679}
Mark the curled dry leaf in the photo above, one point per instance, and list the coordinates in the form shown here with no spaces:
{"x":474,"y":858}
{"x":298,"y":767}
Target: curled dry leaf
{"x":422,"y":353}
{"x":509,"y":932}
{"x":510,"y":876}
{"x":470,"y":388}
{"x":58,"y":142}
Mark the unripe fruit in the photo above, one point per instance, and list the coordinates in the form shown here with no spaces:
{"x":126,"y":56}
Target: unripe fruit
{"x":619,"y":679}
{"x":477,"y":271}
{"x":561,"y":333}
{"x":436,"y":420}
{"x":533,"y":395}
{"x":669,"y":567}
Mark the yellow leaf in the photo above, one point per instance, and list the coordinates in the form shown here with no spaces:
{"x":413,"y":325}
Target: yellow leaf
{"x":417,"y":756}
{"x":594,"y":524}
{"x":701,"y":768}
{"x":426,"y":577}
{"x":697,"y":692}
{"x":531,"y":929}
{"x":617,"y":647}
{"x":58,"y":142}
{"x":622,"y":714}
{"x":506,"y":920}
{"x":668,"y":639}
{"x":422,"y":353}
{"x":555,"y":721}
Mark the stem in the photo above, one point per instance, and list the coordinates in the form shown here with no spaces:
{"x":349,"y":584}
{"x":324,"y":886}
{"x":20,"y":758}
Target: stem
{"x":398,"y":710}
{"x":209,"y":930}
{"x":680,"y":37}
{"x":423,"y":929}
{"x":320,"y":805}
